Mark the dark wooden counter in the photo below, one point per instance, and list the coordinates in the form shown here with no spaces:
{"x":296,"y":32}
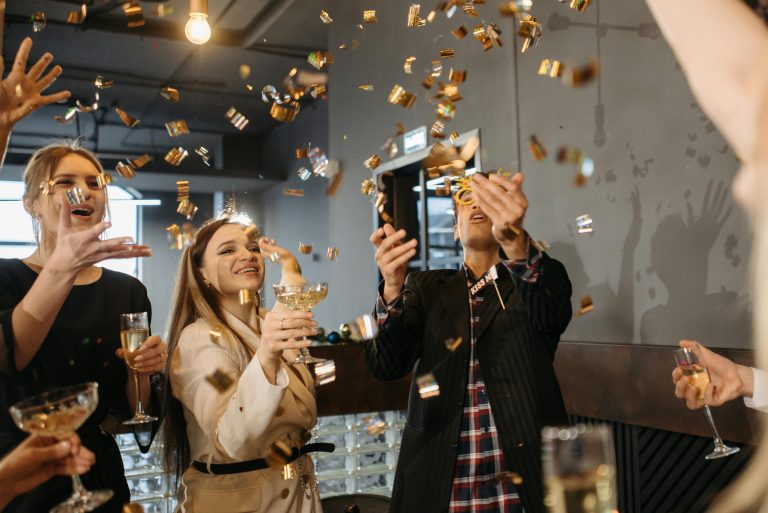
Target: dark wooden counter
{"x":631,"y":384}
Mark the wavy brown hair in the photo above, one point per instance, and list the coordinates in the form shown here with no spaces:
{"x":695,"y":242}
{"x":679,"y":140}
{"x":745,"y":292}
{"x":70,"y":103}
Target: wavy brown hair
{"x":192,"y":300}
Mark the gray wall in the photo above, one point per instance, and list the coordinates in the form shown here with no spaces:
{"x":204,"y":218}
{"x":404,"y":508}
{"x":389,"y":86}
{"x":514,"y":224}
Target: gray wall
{"x":666,"y":260}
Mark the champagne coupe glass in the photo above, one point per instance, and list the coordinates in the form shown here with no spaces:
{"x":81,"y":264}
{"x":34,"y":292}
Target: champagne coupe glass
{"x":579,"y":469}
{"x":302,"y":297}
{"x":698,"y":376}
{"x":134,"y":330}
{"x":59,"y":413}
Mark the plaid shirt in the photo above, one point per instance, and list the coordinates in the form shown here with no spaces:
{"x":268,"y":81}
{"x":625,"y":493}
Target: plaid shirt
{"x":478,"y":483}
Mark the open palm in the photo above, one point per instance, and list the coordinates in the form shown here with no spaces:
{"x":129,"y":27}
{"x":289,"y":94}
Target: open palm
{"x":20,"y":91}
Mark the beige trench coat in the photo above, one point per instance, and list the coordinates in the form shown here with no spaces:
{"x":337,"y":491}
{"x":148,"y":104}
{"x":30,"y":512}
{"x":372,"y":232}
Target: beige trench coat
{"x":240,"y":424}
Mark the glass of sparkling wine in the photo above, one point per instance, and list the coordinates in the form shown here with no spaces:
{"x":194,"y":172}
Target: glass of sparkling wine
{"x":579,"y":469}
{"x":134,"y":330}
{"x":59,"y":413}
{"x":302,"y":297}
{"x":698,"y":376}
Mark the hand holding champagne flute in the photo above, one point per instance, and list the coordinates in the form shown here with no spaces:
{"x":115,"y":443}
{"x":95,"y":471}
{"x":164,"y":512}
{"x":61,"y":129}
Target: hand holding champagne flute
{"x":134,"y":331}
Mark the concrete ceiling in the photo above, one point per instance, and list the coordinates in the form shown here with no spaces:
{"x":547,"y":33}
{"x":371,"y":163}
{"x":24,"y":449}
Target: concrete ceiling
{"x":270,"y":36}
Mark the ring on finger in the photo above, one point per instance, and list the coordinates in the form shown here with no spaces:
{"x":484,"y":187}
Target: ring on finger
{"x":281,"y":323}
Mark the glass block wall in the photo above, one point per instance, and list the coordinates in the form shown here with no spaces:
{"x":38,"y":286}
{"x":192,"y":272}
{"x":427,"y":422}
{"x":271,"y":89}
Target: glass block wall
{"x":367,"y":445}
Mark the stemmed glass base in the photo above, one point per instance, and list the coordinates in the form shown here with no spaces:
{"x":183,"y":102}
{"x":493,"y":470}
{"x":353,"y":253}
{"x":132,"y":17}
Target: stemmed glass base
{"x":84,"y":501}
{"x":307,"y":359}
{"x":721,"y":451}
{"x":141,"y":418}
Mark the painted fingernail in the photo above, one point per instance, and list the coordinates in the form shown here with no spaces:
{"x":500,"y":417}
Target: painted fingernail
{"x":138,"y":358}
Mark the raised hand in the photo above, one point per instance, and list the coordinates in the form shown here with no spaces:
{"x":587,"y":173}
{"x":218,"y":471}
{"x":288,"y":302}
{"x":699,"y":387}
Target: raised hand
{"x":392,"y":256}
{"x":21,"y":91}
{"x":271,"y":251}
{"x":503,"y":201}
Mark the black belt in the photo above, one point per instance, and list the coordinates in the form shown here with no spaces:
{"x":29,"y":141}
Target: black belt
{"x":261,"y":463}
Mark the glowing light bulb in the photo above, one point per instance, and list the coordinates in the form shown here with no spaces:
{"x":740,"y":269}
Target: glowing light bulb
{"x":197,"y":29}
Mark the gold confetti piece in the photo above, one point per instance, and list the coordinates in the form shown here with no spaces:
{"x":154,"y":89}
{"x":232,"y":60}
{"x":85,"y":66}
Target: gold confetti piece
{"x":305,"y":249}
{"x":175,"y":156}
{"x":75,"y":196}
{"x":363,"y":328}
{"x":551,"y":68}
{"x":437,"y":69}
{"x":376,"y":427}
{"x":585,"y":305}
{"x":102,"y":83}
{"x":162,"y":10}
{"x":285,"y":113}
{"x":325,"y":17}
{"x":408,"y":64}
{"x":366,"y":87}
{"x":454,"y":135}
{"x":304,"y":173}
{"x":460,"y":32}
{"x":177,"y":128}
{"x":577,"y":77}
{"x":450,"y":91}
{"x":414,"y":20}
{"x":584,"y":224}
{"x":182,"y":190}
{"x":446,"y":110}
{"x":470,"y":10}
{"x":245,"y":296}
{"x":38,"y":21}
{"x":369,"y":16}
{"x":399,"y":96}
{"x":132,"y":10}
{"x":530,"y":31}
{"x":428,"y":82}
{"x":170,"y":93}
{"x":368,"y":187}
{"x":319,"y":91}
{"x":278,"y":454}
{"x":215,"y":334}
{"x":372,"y":162}
{"x":580,"y":5}
{"x":140,"y":161}
{"x":46,"y":187}
{"x":352,"y":45}
{"x":268,"y":93}
{"x":104,"y":179}
{"x":220,"y":380}
{"x":333,"y":187}
{"x":536,"y":148}
{"x":437,"y":130}
{"x":302,"y":153}
{"x":126,"y":118}
{"x":68,"y":117}
{"x":81,"y":107}
{"x":381,"y":200}
{"x":245,"y":71}
{"x":445,"y":189}
{"x":187,"y":209}
{"x":251,"y":231}
{"x":390,"y":147}
{"x":541,"y":245}
{"x":204,"y":154}
{"x":568,"y":155}
{"x":452,"y":344}
{"x":400,"y":129}
{"x":428,"y":387}
{"x":298,"y":193}
{"x":288,"y":472}
{"x":77,"y":17}
{"x":173,"y":230}
{"x":318,"y":160}
{"x":457,"y":76}
{"x":237,"y":119}
{"x":508,"y":8}
{"x":332,"y":253}
{"x":320,"y":59}
{"x":446,"y":53}
{"x":133,"y":507}
{"x":325,"y":372}
{"x":127,"y":171}
{"x":274,"y":257}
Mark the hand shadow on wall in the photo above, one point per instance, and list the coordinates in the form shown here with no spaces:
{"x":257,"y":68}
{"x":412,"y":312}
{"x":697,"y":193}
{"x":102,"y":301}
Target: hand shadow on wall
{"x":680,"y":250}
{"x":613,"y":317}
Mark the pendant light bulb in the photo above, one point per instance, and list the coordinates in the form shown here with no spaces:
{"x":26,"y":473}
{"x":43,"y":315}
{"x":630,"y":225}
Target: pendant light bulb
{"x":197,"y":29}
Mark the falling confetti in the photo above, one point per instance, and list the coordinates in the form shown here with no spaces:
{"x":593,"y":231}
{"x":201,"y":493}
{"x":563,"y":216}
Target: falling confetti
{"x":126,"y":118}
{"x":428,"y":386}
{"x":584,"y":224}
{"x":38,"y":21}
{"x":177,"y":128}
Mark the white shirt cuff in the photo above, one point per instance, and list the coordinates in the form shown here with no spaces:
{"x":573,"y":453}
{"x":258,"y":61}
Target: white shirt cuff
{"x":759,"y":399}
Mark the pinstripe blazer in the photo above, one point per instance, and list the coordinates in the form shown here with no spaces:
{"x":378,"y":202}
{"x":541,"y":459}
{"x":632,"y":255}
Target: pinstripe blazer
{"x":516,"y":347}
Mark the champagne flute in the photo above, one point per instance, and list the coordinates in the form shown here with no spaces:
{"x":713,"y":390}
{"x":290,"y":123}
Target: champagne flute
{"x":698,"y":376}
{"x":302,"y":297}
{"x":579,"y":469}
{"x":134,"y":331}
{"x":59,"y":413}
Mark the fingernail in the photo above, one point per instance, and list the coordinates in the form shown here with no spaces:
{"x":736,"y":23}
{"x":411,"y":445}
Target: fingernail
{"x":138,"y":358}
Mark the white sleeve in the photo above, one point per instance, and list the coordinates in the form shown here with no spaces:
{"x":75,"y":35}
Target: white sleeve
{"x":234,"y":422}
{"x":759,"y":399}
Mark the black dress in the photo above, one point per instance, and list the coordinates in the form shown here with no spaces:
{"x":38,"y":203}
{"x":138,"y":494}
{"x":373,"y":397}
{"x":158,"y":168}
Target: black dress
{"x":80,"y":347}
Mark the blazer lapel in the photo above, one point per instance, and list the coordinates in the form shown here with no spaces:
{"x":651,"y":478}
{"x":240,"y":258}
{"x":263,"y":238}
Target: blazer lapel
{"x":491,"y":306}
{"x":455,"y":299}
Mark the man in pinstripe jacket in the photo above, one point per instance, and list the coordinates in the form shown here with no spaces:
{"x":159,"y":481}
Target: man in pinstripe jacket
{"x":476,"y":446}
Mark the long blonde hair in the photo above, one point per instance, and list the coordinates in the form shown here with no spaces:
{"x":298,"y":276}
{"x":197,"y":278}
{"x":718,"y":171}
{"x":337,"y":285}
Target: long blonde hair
{"x":192,"y":300}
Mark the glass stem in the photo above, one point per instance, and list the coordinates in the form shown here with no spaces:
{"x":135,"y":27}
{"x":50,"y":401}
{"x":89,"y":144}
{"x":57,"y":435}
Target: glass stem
{"x":78,"y":490}
{"x":139,"y":409}
{"x":708,"y":413}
